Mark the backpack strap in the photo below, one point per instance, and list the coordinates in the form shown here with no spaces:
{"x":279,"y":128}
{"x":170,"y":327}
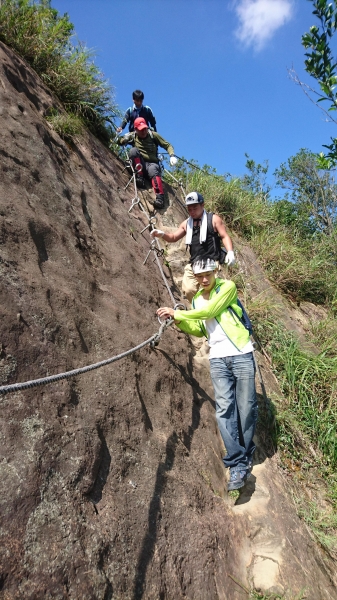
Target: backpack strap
{"x":214,"y":235}
{"x":210,"y":228}
{"x":244,"y":320}
{"x":132,"y":113}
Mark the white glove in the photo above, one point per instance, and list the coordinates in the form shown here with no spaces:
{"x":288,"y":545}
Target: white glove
{"x":230,"y":258}
{"x":157,"y":233}
{"x":173,"y":160}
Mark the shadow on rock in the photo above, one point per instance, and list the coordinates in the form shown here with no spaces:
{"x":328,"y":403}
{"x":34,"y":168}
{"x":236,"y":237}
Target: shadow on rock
{"x":247,"y":491}
{"x":147,"y":549}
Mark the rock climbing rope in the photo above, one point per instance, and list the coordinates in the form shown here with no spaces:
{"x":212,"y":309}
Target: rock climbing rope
{"x":152,"y":341}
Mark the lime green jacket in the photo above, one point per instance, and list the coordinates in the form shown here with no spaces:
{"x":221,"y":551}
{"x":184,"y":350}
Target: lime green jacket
{"x":223,"y":294}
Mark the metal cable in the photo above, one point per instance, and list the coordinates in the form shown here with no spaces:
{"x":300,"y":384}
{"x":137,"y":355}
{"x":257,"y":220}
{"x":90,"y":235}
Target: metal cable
{"x":180,"y":184}
{"x":153,"y":340}
{"x":157,"y":250}
{"x":196,"y":167}
{"x":163,"y":276}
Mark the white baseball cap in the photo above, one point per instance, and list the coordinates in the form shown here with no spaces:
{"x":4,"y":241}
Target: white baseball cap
{"x":203,"y":265}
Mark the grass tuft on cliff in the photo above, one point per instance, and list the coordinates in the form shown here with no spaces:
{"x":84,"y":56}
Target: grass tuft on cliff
{"x":44,"y":38}
{"x":65,"y":124}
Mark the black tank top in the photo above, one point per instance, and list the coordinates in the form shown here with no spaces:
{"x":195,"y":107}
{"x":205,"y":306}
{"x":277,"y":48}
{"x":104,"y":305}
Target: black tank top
{"x":207,"y":249}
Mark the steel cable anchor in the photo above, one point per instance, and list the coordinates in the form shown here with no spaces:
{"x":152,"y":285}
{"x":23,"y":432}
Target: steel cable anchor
{"x":163,"y":325}
{"x":155,"y":249}
{"x":149,"y":252}
{"x":152,"y":222}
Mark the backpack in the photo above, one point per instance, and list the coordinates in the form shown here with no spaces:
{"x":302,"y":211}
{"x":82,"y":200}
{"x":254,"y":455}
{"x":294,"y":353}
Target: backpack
{"x":219,"y":253}
{"x":245,"y":320}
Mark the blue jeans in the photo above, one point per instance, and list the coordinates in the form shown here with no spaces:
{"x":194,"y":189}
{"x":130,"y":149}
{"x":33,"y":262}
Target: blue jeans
{"x":233,"y":379}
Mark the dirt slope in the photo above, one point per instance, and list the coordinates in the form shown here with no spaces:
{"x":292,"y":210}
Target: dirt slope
{"x":112,"y":484}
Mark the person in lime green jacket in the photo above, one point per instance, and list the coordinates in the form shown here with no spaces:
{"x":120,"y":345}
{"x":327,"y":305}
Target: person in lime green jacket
{"x":215,"y":314}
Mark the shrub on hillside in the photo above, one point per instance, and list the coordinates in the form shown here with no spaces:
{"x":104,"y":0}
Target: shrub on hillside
{"x":43,"y":37}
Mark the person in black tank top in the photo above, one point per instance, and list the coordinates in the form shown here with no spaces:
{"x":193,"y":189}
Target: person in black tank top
{"x":205,"y":249}
{"x":203,"y":238}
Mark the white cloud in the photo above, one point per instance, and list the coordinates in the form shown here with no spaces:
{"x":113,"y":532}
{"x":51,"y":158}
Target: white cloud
{"x":259,"y":19}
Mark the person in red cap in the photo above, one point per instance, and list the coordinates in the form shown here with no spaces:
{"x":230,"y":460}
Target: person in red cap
{"x":144,"y":156}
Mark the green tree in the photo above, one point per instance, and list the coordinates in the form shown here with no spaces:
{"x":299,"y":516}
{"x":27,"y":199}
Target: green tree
{"x":313,"y":192}
{"x":255,"y":180}
{"x":321,"y":64}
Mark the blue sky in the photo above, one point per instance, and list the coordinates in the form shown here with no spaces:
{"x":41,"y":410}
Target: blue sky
{"x":213,"y":71}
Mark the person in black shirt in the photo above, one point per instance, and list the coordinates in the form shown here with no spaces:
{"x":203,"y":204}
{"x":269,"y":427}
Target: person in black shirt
{"x":204,"y":233}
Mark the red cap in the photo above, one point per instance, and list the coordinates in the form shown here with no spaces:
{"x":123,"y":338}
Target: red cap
{"x":140,"y":123}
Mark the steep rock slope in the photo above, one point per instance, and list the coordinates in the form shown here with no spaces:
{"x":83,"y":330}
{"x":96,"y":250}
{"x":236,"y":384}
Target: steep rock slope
{"x":111,"y":482}
{"x":101,"y":488}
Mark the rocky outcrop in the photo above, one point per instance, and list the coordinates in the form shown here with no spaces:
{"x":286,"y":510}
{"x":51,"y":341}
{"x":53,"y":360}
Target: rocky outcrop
{"x":112,"y":484}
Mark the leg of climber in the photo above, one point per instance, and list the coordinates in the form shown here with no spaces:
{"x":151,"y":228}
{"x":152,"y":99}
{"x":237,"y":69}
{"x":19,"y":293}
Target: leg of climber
{"x":157,"y":185}
{"x":189,"y":283}
{"x":138,"y":164}
{"x":154,"y":173}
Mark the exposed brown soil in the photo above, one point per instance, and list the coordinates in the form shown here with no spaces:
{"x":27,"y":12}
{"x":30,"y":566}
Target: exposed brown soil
{"x":112,"y":484}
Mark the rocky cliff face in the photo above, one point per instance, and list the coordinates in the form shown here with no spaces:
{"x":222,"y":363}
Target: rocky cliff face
{"x":112,"y":484}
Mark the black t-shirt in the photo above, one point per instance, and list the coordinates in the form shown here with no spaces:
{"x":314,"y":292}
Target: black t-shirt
{"x":208,"y":248}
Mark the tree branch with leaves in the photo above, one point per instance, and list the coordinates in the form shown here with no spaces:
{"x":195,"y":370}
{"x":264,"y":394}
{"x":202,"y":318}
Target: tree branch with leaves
{"x":313,"y":191}
{"x":322,"y":66}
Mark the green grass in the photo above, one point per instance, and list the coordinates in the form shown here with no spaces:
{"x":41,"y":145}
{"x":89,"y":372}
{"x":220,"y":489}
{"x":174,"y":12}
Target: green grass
{"x":234,"y":495}
{"x":295,"y":265}
{"x":324,"y":334}
{"x":309,"y":384}
{"x":66,"y":125}
{"x":44,"y":38}
{"x":304,"y":423}
{"x":322,"y":522}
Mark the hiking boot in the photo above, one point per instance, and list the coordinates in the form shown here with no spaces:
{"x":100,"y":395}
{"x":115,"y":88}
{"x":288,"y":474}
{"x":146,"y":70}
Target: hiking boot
{"x":237,"y":480}
{"x":249,"y":466}
{"x":140,"y":181}
{"x":159,"y":201}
